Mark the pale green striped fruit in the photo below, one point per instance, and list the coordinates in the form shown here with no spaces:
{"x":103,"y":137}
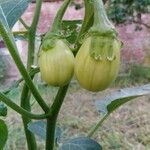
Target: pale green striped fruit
{"x":97,"y":73}
{"x":56,"y":64}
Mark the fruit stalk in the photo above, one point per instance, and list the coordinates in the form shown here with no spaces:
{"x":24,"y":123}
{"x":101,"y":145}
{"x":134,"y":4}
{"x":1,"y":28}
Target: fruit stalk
{"x":101,"y":25}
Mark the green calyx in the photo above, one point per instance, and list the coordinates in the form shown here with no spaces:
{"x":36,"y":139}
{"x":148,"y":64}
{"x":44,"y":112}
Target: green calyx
{"x":103,"y":35}
{"x":54,"y":33}
{"x":102,"y":47}
{"x":48,"y":44}
{"x":50,"y":40}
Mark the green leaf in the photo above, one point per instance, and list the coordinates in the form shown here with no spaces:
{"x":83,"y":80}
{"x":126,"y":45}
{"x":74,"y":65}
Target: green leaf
{"x":115,"y":99}
{"x":39,"y":128}
{"x":121,"y":11}
{"x":11,"y":10}
{"x":21,"y":37}
{"x":3,"y":134}
{"x":3,"y":110}
{"x":81,"y":143}
{"x":70,"y":29}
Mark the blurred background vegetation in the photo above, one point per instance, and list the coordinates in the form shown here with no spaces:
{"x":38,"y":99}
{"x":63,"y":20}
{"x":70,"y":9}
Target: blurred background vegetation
{"x":128,"y":11}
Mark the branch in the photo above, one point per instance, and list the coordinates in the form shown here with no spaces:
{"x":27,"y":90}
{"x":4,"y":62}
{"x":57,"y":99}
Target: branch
{"x":24,"y":24}
{"x":20,"y":110}
{"x":141,"y":23}
{"x":11,"y":45}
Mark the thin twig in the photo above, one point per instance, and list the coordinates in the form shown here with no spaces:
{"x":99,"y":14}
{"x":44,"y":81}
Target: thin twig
{"x":23,"y":23}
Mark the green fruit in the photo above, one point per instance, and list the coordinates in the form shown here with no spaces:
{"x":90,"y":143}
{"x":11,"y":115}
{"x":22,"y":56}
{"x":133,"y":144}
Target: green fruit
{"x":56,"y":64}
{"x":96,"y":72}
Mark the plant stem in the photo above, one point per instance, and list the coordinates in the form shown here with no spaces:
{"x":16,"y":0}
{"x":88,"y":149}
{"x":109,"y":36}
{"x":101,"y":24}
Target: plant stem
{"x":19,"y":32}
{"x":20,"y":110}
{"x":101,"y":22}
{"x":25,"y":103}
{"x":24,"y":24}
{"x":87,"y":22}
{"x":90,"y":134}
{"x":58,"y":19}
{"x":9,"y":41}
{"x":55,"y":108}
{"x":59,"y":99}
{"x":51,"y":121}
{"x":32,"y":34}
{"x":26,"y":95}
{"x":50,"y":131}
{"x":99,"y":12}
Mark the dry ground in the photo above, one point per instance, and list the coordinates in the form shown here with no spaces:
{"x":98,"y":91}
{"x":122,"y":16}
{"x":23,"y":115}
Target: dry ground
{"x":127,"y":129}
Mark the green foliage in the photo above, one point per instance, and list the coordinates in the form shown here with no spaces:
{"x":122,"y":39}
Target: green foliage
{"x":12,"y":10}
{"x":111,"y":102}
{"x":140,"y":73}
{"x":70,"y":29}
{"x":114,"y":100}
{"x":136,"y":74}
{"x":127,"y":10}
{"x":3,"y":135}
{"x":81,"y":143}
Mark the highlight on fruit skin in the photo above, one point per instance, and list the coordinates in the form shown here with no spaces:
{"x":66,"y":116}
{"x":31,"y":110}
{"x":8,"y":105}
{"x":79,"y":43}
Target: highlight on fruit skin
{"x":95,"y":71}
{"x":56,"y":64}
